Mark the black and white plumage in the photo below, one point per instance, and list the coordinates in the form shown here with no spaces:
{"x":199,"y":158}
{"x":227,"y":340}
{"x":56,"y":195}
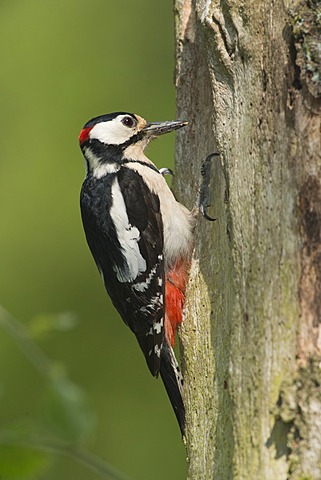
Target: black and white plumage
{"x":136,"y":232}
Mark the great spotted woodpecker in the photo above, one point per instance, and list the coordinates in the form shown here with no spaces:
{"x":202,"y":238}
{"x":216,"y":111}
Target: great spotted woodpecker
{"x":140,"y":237}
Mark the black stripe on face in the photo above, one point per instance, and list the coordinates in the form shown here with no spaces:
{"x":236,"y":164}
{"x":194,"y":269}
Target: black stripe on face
{"x":134,"y":139}
{"x":141,"y":162}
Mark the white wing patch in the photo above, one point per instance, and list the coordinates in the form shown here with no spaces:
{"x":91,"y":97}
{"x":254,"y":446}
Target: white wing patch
{"x":128,"y":236}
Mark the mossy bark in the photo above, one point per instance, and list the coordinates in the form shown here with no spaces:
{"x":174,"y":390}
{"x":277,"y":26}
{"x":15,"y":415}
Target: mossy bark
{"x":248,"y":80}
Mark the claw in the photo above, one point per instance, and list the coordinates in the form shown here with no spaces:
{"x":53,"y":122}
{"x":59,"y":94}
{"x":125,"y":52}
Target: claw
{"x":204,"y":195}
{"x":166,"y":171}
{"x":203,"y":212}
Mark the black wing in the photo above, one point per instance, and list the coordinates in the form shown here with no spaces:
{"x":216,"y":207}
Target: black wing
{"x":124,"y":231}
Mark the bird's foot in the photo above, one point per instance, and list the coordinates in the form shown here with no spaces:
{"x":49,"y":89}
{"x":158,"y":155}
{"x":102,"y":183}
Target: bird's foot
{"x":166,"y":171}
{"x":204,"y":195}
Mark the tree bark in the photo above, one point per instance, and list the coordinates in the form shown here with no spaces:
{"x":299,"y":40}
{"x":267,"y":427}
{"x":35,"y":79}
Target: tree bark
{"x":249,"y":81}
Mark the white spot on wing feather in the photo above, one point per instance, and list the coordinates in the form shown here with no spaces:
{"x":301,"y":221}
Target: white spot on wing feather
{"x":142,"y":286}
{"x":157,"y":350}
{"x":158,"y":326}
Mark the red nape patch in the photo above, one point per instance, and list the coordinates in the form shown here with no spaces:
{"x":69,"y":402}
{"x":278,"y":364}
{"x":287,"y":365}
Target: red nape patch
{"x":174,"y":298}
{"x":84,"y":135}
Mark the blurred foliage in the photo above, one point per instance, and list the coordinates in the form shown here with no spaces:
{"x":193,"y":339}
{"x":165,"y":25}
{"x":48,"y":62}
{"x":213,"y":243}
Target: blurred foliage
{"x":43,"y":324}
{"x":63,"y":63}
{"x":66,"y":419}
{"x":21,"y":464}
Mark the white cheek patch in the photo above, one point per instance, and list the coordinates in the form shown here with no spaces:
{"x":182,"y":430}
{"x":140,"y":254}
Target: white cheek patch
{"x":112,"y":132}
{"x":128,"y":236}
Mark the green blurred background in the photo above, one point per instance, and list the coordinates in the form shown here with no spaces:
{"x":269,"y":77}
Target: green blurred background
{"x":62,"y":63}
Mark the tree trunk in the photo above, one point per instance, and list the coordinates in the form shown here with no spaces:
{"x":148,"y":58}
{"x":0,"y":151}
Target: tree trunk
{"x":249,"y":81}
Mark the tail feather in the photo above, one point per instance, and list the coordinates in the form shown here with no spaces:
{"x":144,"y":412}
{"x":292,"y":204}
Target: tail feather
{"x":173,"y":382}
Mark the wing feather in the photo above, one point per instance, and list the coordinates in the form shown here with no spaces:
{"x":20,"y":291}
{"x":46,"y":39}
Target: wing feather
{"x":133,"y":268}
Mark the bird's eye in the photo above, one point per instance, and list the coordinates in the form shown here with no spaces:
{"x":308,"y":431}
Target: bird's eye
{"x":128,"y":122}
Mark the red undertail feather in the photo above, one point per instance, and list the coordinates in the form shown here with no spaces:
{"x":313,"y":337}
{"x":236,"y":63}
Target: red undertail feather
{"x":175,"y":286}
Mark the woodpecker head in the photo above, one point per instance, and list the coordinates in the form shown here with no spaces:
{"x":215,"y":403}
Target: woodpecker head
{"x":108,"y":139}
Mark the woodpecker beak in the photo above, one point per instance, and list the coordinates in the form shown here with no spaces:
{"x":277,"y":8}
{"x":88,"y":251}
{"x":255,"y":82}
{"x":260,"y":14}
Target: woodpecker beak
{"x":159,"y":128}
